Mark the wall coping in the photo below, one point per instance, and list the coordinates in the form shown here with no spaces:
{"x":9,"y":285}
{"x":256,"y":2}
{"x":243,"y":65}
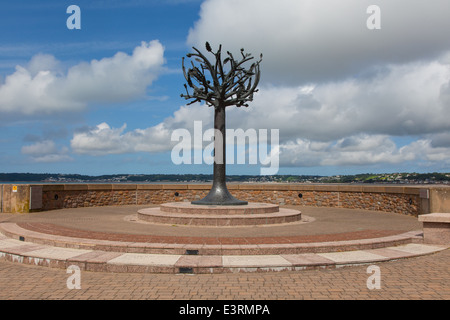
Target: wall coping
{"x":404,"y":189}
{"x":429,"y":198}
{"x":437,"y":217}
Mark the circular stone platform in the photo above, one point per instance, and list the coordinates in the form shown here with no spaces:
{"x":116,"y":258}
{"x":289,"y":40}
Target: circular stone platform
{"x":186,"y":213}
{"x":251,"y":208}
{"x":113,"y":239}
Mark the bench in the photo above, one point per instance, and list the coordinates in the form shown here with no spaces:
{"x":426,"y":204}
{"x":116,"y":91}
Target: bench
{"x":436,"y":228}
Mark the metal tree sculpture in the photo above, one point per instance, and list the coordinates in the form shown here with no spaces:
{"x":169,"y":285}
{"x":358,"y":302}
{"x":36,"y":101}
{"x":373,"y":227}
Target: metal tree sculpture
{"x":221,"y":84}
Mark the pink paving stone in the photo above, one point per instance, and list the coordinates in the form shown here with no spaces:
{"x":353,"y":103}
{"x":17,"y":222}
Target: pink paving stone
{"x":23,"y":249}
{"x":99,"y":263}
{"x":103,"y":257}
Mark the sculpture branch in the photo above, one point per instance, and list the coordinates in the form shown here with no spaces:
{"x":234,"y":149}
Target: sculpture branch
{"x":234,"y":87}
{"x":220,"y":84}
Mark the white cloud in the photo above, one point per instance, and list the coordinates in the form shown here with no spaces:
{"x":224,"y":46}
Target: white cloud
{"x":104,"y":140}
{"x":351,"y":90}
{"x":43,"y":62}
{"x":358,"y":150}
{"x":46,"y":151}
{"x":430,"y":154}
{"x":400,"y":100}
{"x":338,"y":92}
{"x":309,"y":40}
{"x":41,"y":87}
{"x":348,"y":122}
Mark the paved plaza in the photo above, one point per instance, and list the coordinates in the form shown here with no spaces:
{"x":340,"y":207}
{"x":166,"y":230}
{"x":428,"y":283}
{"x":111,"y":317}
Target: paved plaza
{"x":423,"y":276}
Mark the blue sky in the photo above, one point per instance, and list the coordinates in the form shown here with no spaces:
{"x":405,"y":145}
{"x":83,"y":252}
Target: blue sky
{"x":105,"y":99}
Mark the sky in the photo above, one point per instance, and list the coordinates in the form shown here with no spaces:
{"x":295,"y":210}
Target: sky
{"x":349,"y":89}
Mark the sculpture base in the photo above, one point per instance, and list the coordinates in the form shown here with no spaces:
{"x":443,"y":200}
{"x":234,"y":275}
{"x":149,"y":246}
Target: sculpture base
{"x":219,"y":196}
{"x":234,"y":202}
{"x":185,"y":213}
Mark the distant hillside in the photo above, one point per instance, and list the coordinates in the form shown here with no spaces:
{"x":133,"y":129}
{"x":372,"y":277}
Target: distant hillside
{"x":386,"y":178}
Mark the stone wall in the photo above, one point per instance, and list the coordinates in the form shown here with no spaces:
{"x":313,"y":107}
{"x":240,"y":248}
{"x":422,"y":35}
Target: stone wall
{"x":439,"y":199}
{"x":410,"y":200}
{"x":14,"y":198}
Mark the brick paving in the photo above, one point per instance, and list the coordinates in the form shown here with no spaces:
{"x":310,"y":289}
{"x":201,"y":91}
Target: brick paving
{"x":53,"y":229}
{"x":422,"y":277}
{"x":425,"y":277}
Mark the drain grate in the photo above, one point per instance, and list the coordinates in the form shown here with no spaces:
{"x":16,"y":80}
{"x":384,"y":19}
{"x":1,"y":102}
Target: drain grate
{"x":192,"y":252}
{"x":186,"y":270}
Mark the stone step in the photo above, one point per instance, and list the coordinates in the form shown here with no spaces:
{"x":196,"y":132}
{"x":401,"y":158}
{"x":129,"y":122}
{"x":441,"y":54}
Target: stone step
{"x":249,"y":209}
{"x":103,"y":261}
{"x":13,"y":231}
{"x":156,"y":215}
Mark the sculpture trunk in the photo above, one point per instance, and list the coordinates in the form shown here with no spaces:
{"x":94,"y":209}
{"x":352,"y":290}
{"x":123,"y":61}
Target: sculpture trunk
{"x":219,"y":194}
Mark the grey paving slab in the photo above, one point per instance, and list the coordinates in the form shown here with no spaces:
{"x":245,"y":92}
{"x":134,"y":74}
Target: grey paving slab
{"x":352,"y":256}
{"x":145,"y":259}
{"x":417,"y":248}
{"x":203,"y":261}
{"x":307,"y":259}
{"x":57,"y":253}
{"x":391,"y":253}
{"x":255,"y":261}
